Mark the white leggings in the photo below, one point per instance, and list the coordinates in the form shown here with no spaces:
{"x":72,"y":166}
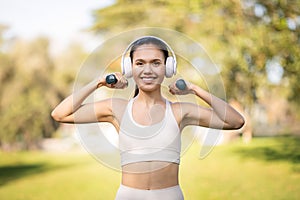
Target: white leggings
{"x":170,"y":193}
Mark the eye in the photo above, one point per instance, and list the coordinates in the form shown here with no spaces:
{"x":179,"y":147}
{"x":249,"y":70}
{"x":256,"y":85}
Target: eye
{"x":156,"y":63}
{"x":140,"y":64}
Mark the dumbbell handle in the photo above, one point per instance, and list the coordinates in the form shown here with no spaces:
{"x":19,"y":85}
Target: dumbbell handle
{"x":111,"y":79}
{"x":180,"y":84}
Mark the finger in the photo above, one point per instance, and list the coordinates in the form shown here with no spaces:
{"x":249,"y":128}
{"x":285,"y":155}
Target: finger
{"x":171,"y":87}
{"x":123,"y":83}
{"x":110,"y":86}
{"x":171,"y":92}
{"x":119,"y":75}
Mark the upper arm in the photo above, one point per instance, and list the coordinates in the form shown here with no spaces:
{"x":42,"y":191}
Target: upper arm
{"x":91,"y":112}
{"x":194,"y":114}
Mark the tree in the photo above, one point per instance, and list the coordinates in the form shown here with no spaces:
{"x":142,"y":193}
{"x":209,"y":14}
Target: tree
{"x":32,"y":83}
{"x":244,"y":35}
{"x":25,"y":95}
{"x":249,"y":39}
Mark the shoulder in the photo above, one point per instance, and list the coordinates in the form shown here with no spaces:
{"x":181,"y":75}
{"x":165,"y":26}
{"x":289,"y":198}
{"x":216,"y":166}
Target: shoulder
{"x":182,"y":108}
{"x":110,"y":110}
{"x":187,"y":113}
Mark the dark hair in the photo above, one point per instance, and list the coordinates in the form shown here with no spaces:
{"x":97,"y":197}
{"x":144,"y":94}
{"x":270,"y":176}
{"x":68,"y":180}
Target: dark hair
{"x":148,"y":40}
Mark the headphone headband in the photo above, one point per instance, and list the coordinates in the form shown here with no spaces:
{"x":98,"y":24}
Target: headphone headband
{"x":170,"y":62}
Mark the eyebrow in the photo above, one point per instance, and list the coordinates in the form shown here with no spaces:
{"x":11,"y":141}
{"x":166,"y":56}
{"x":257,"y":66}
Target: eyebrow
{"x":154,"y":60}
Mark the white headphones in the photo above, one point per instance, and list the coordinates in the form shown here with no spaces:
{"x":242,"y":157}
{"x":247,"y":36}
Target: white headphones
{"x":126,"y":63}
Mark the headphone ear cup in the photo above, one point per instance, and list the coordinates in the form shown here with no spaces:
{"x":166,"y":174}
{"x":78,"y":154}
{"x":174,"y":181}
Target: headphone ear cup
{"x":170,"y":67}
{"x":127,"y":68}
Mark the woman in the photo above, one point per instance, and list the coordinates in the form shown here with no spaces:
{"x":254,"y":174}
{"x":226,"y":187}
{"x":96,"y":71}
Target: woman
{"x":149,"y":126}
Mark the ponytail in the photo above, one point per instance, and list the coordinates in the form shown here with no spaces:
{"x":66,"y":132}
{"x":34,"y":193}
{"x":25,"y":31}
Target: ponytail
{"x":136,"y":91}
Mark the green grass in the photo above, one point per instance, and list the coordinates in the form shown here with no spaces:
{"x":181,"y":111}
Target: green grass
{"x":267,"y":168}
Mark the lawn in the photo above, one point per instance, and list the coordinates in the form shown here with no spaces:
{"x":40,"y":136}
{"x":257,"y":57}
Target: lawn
{"x":267,"y":168}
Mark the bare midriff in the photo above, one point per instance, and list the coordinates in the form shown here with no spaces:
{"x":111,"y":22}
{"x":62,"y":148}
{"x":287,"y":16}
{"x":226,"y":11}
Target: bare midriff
{"x":150,"y":175}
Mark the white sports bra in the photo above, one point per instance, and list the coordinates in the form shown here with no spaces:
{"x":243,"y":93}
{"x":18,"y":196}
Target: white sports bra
{"x":157,"y":142}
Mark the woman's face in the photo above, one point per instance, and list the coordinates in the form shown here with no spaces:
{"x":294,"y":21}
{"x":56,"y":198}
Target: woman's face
{"x":148,"y":67}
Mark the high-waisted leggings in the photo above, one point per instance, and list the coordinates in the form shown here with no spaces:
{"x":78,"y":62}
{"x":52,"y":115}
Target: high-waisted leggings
{"x":170,"y":193}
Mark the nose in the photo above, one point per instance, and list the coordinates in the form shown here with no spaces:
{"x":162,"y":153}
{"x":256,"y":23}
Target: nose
{"x":147,"y":68}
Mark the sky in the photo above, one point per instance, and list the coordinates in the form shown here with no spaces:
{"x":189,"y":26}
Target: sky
{"x":62,"y":21}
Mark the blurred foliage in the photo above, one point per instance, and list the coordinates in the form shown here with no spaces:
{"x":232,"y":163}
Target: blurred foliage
{"x":241,"y":35}
{"x":32,"y":83}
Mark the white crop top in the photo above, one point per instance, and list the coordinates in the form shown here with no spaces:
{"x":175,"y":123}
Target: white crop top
{"x":157,"y":142}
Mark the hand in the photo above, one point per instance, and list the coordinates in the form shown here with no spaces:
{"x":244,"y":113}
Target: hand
{"x":120,"y":83}
{"x":180,"y":87}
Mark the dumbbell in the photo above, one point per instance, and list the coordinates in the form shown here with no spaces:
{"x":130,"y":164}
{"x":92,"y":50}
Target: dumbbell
{"x":180,"y":84}
{"x":111,"y":79}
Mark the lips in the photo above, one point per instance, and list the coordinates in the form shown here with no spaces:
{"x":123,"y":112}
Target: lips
{"x":148,"y":79}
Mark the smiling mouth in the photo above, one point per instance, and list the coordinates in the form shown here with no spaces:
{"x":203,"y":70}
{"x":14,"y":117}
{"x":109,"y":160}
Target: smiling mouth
{"x":148,"y":78}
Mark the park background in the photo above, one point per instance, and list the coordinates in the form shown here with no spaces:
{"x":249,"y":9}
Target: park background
{"x":255,"y":43}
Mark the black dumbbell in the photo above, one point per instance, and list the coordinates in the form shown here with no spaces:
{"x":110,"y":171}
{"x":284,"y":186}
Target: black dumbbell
{"x":180,"y":84}
{"x":111,"y":79}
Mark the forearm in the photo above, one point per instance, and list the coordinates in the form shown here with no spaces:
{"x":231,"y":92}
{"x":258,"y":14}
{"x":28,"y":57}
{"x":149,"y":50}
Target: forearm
{"x":220,"y":108}
{"x":70,"y":104}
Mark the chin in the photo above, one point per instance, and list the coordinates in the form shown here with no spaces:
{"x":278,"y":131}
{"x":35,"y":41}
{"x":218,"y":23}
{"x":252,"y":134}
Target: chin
{"x":149,"y":88}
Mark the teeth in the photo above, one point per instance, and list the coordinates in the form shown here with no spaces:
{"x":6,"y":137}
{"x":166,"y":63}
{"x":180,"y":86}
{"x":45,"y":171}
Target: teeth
{"x":147,"y":79}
